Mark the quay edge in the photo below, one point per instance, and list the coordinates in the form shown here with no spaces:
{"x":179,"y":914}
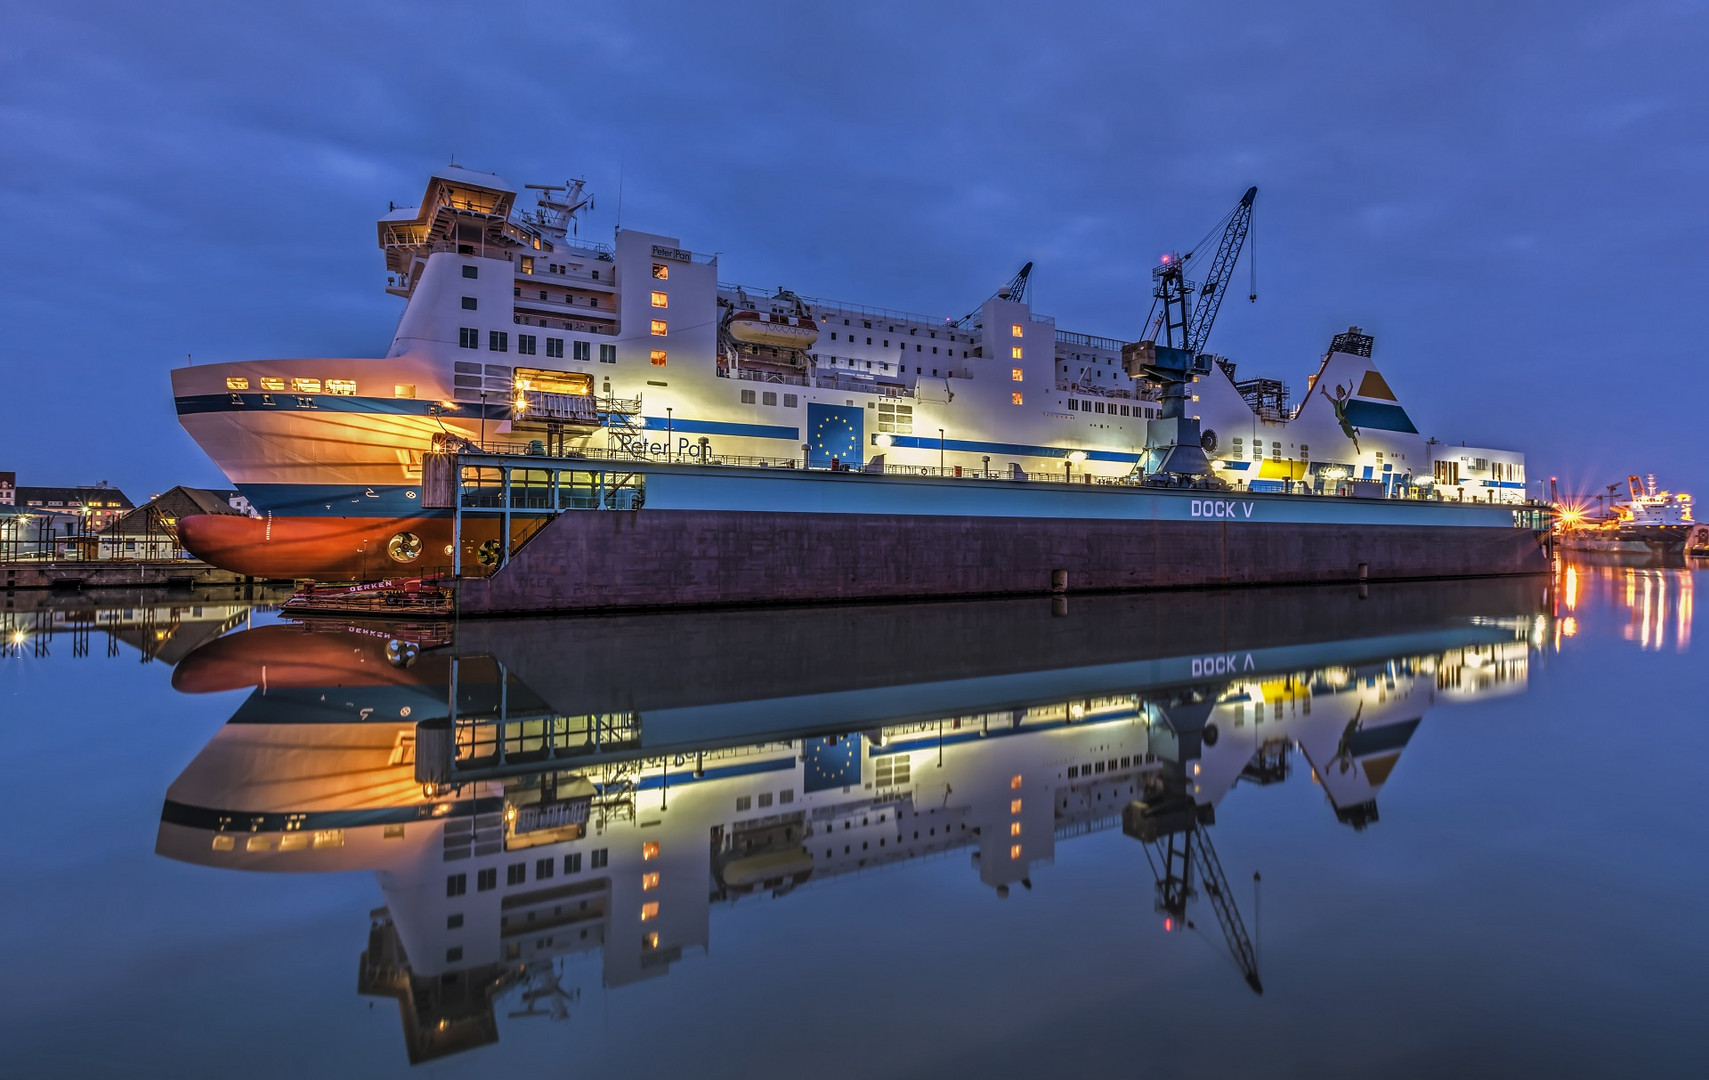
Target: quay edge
{"x":709,"y":545}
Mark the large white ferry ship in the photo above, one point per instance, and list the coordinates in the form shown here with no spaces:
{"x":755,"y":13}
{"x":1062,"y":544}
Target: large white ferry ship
{"x":517,"y":331}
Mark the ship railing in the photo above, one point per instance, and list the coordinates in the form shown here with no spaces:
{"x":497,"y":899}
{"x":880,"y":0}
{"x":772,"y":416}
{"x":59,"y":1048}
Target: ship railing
{"x":1089,"y":341}
{"x":755,"y":375}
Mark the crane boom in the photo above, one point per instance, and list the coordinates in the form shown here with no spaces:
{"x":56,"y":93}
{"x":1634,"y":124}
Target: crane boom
{"x":1222,"y":269}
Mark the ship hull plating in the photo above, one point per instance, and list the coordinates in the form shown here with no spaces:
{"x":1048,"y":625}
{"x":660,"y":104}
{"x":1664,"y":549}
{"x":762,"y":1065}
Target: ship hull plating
{"x":665,"y":558}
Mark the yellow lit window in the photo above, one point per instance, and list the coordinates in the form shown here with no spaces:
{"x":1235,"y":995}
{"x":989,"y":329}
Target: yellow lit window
{"x":650,"y":911}
{"x":1014,"y":828}
{"x":658,"y":328}
{"x":661,"y":272}
{"x":1014,"y":851}
{"x":305,"y":386}
{"x":1014,"y":783}
{"x":528,"y":264}
{"x":269,"y":383}
{"x":649,"y":882}
{"x":403,"y":389}
{"x":1014,"y":806}
{"x":657,"y":356}
{"x":649,"y":850}
{"x":1015,"y":374}
{"x":1015,"y":353}
{"x":223,"y":842}
{"x":237,"y":382}
{"x":650,"y":941}
{"x":661,"y":300}
{"x":1014,"y":329}
{"x":536,"y":243}
{"x":341,"y":386}
{"x":1015,"y":397}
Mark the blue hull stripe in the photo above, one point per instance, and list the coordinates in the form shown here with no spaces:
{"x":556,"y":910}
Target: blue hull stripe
{"x":1378,"y":415}
{"x":916,"y":442}
{"x":337,"y":500}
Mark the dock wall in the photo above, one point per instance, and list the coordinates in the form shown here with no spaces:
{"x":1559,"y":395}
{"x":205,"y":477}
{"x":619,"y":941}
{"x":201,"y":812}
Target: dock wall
{"x":682,"y":558}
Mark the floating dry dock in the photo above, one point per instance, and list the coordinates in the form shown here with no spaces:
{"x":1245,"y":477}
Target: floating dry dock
{"x":582,"y":534}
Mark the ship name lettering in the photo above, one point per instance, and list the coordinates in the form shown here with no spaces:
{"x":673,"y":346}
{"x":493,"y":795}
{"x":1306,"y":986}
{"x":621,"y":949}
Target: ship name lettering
{"x":661,"y":252}
{"x":1221,"y":665}
{"x":1221,"y":508}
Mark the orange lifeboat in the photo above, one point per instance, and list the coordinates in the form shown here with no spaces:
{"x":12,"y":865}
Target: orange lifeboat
{"x":778,"y":331}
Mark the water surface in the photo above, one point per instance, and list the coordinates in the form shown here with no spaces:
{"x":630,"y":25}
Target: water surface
{"x":1459,"y":829}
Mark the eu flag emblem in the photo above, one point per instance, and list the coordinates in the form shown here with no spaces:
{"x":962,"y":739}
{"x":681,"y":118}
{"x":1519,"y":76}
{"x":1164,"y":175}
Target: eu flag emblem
{"x":835,"y":431}
{"x":832,"y":762}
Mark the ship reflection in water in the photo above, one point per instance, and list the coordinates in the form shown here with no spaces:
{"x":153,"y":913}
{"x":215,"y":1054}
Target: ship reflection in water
{"x":549,"y":807}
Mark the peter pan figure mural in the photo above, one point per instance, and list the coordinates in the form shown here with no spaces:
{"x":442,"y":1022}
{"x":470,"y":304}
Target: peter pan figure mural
{"x":1339,"y":403}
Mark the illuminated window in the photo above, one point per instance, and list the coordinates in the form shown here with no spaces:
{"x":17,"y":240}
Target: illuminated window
{"x":1015,"y":397}
{"x":650,"y":911}
{"x":657,"y":356}
{"x":649,"y":882}
{"x":406,"y":390}
{"x":1015,"y":374}
{"x":658,"y":328}
{"x":237,"y":382}
{"x":1015,"y":353}
{"x":1014,"y":806}
{"x":226,"y":843}
{"x":1014,"y":783}
{"x":528,"y":264}
{"x":305,"y":386}
{"x":649,"y":941}
{"x":269,"y":383}
{"x":1014,"y":329}
{"x":341,"y":386}
{"x":1014,"y":828}
{"x":649,"y":850}
{"x":661,"y":271}
{"x":661,"y":300}
{"x":1014,"y":851}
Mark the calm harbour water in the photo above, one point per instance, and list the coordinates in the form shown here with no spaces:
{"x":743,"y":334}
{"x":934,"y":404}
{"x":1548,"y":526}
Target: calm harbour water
{"x":868,"y":841}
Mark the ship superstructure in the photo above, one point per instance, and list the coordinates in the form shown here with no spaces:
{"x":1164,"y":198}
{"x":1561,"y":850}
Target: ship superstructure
{"x":516,"y":330}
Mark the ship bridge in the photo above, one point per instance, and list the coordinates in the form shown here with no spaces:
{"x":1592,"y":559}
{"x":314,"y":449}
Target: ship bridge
{"x":462,"y":210}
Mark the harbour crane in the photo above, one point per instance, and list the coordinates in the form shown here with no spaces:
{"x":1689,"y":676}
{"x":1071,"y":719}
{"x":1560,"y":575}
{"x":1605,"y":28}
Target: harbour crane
{"x":1188,"y":325}
{"x":1174,"y":353}
{"x":1015,"y":290}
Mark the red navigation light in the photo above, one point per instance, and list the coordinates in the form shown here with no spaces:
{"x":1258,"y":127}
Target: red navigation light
{"x":1165,"y":258}
{"x":1168,"y":926}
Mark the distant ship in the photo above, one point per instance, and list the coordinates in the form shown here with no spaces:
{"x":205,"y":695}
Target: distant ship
{"x":1651,"y":522}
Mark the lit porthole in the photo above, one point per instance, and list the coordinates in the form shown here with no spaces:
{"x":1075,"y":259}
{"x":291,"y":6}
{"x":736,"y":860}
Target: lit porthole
{"x":404,"y":547}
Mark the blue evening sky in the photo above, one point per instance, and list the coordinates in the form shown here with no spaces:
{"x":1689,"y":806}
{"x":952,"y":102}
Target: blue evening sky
{"x":1507,"y":195}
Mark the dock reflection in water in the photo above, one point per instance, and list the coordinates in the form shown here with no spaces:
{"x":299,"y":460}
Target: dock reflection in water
{"x":555,"y":806}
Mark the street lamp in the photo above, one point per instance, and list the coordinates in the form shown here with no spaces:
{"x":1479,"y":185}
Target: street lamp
{"x":940,"y":451}
{"x":483,"y":420}
{"x":670,"y":436}
{"x":1069,"y":462}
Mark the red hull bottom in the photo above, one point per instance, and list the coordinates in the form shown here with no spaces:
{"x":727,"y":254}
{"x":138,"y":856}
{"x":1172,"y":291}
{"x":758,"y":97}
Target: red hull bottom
{"x":341,"y":548}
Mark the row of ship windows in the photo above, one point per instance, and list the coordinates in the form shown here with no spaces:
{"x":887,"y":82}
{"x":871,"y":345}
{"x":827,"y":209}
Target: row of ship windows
{"x":784,"y":798}
{"x":866,"y":324}
{"x":297,"y":386}
{"x":917,"y":348}
{"x":517,"y":873}
{"x":1110,"y":408}
{"x":883,"y":365}
{"x":1112,"y":765}
{"x":527,"y":344}
{"x":769,"y":397}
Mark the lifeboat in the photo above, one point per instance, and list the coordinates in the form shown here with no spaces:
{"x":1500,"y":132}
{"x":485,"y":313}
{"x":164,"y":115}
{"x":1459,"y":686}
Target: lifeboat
{"x":778,"y":331}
